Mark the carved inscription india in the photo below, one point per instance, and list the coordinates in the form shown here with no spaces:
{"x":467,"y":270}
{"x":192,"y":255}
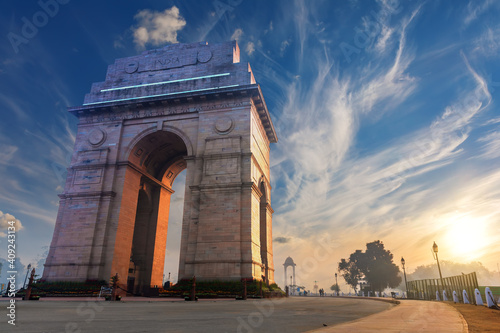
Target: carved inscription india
{"x":167,"y":62}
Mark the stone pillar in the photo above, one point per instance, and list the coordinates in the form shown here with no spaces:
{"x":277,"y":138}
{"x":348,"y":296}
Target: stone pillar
{"x":121,"y":245}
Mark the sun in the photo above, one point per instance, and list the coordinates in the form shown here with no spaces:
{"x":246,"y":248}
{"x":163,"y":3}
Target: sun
{"x":466,"y":237}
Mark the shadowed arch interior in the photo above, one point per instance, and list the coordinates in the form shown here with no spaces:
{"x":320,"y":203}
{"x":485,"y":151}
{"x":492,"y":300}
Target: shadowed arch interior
{"x":157,"y":152}
{"x":160,"y":158}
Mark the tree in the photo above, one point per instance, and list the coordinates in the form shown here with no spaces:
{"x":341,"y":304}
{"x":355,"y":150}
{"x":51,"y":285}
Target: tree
{"x":335,"y":287}
{"x":350,"y":272}
{"x":374,"y":265}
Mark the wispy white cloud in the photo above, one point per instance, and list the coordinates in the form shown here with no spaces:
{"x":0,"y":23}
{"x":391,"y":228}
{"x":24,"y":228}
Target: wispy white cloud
{"x":326,"y":185}
{"x":7,"y":220}
{"x":492,"y":121}
{"x":250,"y":48}
{"x":270,"y":28}
{"x":475,"y":9}
{"x":490,"y":146}
{"x":284,"y":45}
{"x":237,"y":34}
{"x":7,"y":153}
{"x":489,"y":42}
{"x":157,"y":28}
{"x":319,"y":127}
{"x":382,"y":43}
{"x":23,"y":204}
{"x":301,"y":24}
{"x":377,"y":26}
{"x":420,"y":152}
{"x":395,"y":85}
{"x":14,"y":106}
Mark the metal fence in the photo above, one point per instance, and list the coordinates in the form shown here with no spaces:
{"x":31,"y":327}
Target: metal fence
{"x":426,"y":289}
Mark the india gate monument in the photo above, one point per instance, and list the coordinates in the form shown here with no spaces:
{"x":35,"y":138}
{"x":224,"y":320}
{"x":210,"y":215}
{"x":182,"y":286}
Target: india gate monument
{"x":185,"y":106}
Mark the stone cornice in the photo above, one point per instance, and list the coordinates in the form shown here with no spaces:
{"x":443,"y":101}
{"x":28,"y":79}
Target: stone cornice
{"x":176,"y":104}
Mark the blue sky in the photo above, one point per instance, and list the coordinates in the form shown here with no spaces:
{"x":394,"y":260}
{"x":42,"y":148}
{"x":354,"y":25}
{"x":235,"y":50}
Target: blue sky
{"x":386,"y":114}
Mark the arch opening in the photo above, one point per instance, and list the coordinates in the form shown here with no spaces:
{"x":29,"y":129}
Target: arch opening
{"x":159,"y":158}
{"x":172,"y":251}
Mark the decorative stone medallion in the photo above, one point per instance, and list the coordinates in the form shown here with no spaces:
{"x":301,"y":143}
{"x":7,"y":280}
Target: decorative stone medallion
{"x":224,"y":125}
{"x":204,"y":55}
{"x":97,"y":137}
{"x":132,"y":67}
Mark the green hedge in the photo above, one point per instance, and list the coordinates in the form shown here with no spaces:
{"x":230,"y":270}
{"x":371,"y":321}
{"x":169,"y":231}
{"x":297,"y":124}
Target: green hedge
{"x":205,"y":289}
{"x":217,"y":288}
{"x":65,"y":288}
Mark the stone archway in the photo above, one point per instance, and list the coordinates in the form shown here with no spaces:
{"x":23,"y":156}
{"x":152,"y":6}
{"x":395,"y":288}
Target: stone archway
{"x":186,"y":106}
{"x":159,"y":157}
{"x":289,"y":262}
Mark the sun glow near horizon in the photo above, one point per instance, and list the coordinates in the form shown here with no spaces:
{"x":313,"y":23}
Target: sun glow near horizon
{"x":466,"y":237}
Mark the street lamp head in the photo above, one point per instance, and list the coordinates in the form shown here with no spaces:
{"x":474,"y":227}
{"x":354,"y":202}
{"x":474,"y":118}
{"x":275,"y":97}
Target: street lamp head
{"x":435,"y":248}
{"x":403,"y":261}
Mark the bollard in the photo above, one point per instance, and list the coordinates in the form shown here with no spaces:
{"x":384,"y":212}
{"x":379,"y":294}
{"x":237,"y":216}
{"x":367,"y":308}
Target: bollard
{"x":244,"y":289}
{"x":28,"y":291}
{"x":193,"y":290}
{"x":114,"y":285}
{"x":466,"y":297}
{"x":479,"y":299}
{"x":455,"y":297}
{"x":490,"y":301}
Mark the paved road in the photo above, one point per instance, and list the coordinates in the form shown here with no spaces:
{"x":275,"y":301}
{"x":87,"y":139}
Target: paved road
{"x":280,"y":315}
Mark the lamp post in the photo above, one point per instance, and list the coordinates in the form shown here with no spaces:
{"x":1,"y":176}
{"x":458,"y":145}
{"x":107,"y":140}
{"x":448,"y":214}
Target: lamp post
{"x":24,"y":284}
{"x":435,"y":253}
{"x":336,"y":285}
{"x":404,"y":272}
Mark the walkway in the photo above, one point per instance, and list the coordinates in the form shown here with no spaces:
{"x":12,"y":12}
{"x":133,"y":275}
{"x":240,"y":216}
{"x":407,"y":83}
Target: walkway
{"x":408,"y":316}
